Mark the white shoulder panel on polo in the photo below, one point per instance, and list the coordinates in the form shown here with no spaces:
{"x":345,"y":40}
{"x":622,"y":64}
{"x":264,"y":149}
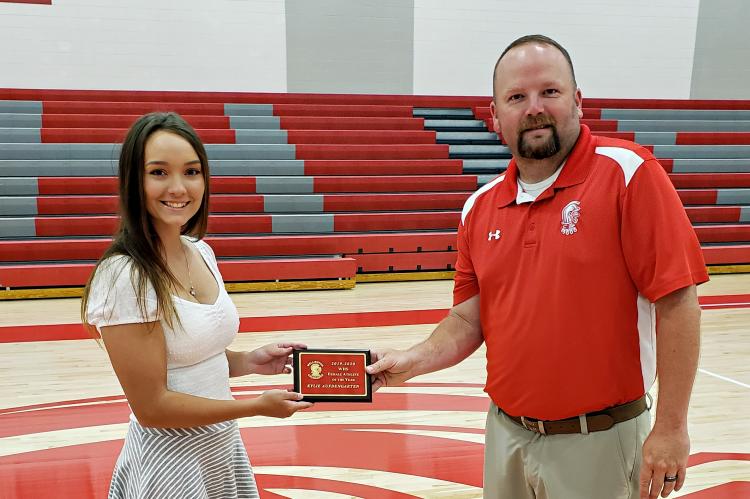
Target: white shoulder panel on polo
{"x":472,"y":199}
{"x":627,"y":159}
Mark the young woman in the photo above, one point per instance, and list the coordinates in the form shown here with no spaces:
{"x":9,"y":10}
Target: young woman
{"x":158,"y":300}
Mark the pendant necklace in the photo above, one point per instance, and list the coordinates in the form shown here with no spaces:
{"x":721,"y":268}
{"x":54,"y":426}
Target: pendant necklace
{"x":187,"y":264}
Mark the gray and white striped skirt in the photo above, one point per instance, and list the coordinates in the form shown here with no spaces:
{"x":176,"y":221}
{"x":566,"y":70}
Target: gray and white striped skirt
{"x":204,"y":462}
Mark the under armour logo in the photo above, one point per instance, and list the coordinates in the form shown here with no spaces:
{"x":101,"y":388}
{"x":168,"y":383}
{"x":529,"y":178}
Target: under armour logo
{"x":493,"y":235}
{"x":570,"y":215}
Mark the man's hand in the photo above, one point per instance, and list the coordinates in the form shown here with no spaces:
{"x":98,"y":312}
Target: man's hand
{"x":665,"y":453}
{"x":389,"y":367}
{"x":275,"y":358}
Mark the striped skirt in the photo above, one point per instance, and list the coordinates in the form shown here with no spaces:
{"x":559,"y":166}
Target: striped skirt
{"x":203,"y":462}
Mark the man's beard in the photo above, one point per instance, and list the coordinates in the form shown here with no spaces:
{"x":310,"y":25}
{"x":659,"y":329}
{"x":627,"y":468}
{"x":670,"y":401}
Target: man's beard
{"x":548,"y":148}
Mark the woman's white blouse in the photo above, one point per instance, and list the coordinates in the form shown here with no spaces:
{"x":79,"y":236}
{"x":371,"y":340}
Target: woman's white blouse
{"x":196,"y":358}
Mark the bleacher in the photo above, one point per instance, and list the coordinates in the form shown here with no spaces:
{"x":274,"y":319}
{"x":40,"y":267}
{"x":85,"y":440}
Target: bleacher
{"x":319,"y":191}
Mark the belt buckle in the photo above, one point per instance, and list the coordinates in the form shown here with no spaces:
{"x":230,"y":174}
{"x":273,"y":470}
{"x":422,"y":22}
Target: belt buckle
{"x":536,"y":427}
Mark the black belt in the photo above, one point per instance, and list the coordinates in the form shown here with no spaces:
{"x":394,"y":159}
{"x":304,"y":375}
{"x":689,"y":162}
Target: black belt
{"x":593,"y":421}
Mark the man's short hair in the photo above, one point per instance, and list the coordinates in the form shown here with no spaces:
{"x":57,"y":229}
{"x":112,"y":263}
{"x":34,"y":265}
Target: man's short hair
{"x":538,"y":39}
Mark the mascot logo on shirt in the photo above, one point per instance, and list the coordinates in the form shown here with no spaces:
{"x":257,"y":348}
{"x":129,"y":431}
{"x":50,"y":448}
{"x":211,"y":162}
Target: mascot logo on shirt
{"x":570,"y":215}
{"x":316,"y":369}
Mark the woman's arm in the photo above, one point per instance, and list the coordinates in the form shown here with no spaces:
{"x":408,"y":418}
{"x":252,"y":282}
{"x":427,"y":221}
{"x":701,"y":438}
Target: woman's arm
{"x":138,"y":356}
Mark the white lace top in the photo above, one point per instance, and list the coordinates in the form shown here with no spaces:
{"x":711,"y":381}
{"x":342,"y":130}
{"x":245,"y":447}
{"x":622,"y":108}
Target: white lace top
{"x":196,"y":359}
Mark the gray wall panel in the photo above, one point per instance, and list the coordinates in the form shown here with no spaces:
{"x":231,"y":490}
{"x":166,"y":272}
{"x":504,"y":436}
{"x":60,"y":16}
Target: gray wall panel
{"x":721,"y":66}
{"x":340,"y":46}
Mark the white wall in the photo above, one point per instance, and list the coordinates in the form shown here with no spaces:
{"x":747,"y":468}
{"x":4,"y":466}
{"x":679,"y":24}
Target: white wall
{"x":144,"y":44}
{"x":620,"y":48}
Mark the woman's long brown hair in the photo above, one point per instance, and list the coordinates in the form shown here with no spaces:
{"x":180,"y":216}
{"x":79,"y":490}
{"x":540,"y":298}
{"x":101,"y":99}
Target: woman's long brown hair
{"x":136,"y":237}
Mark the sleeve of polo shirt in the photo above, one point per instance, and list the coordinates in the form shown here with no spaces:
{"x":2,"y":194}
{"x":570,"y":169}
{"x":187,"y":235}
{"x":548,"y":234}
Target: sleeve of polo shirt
{"x":465,"y":283}
{"x":661,"y":248}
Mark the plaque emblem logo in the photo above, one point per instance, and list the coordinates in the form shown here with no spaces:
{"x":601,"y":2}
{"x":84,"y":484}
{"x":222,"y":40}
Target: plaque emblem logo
{"x":316,"y":369}
{"x":494,"y":235}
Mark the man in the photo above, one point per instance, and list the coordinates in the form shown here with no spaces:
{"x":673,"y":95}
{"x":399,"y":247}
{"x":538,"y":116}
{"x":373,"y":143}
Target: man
{"x":575,"y":268}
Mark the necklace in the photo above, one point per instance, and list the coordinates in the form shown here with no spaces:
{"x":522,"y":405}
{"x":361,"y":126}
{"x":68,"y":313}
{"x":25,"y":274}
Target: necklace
{"x":187,"y":264}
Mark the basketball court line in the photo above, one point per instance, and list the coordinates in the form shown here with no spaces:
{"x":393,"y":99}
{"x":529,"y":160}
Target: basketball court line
{"x":724,"y":378}
{"x":55,"y":332}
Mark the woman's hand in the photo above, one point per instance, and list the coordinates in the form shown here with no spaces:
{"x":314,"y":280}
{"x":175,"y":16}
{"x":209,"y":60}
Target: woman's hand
{"x":279,"y":403}
{"x":275,"y":358}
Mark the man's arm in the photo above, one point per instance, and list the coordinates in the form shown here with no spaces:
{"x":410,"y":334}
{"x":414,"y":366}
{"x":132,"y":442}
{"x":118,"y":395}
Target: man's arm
{"x":455,"y":338}
{"x":666,"y":450}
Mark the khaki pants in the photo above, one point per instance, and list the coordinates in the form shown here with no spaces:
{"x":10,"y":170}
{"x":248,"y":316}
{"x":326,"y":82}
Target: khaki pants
{"x":521,"y":464}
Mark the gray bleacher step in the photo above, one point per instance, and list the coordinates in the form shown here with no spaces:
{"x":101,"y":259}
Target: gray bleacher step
{"x":484,"y":166}
{"x":18,"y":206}
{"x":108,"y":168}
{"x":443,"y":113}
{"x":455,"y":125}
{"x":58,"y":168}
{"x":20,"y":120}
{"x":111,"y":151}
{"x":14,"y":227}
{"x":675,"y":114}
{"x":19,"y":186}
{"x":255,"y":122}
{"x":711,"y":166}
{"x":261,"y":136}
{"x":745,"y":214}
{"x":479,"y":151}
{"x":295,"y":203}
{"x":467,"y":138}
{"x":21,"y":135}
{"x":21,"y":106}
{"x":682,"y":126}
{"x":59,"y":151}
{"x":703,"y":151}
{"x":733,"y":197}
{"x":656,"y":138}
{"x":279,"y":185}
{"x":248,"y":109}
{"x":484,"y":179}
{"x":302,"y":223}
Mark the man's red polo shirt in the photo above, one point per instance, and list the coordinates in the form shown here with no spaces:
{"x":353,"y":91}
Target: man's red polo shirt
{"x":567,"y":283}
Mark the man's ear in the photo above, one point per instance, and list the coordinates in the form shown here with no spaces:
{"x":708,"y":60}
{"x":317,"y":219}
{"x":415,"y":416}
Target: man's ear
{"x":495,"y":120}
{"x":579,"y":102}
